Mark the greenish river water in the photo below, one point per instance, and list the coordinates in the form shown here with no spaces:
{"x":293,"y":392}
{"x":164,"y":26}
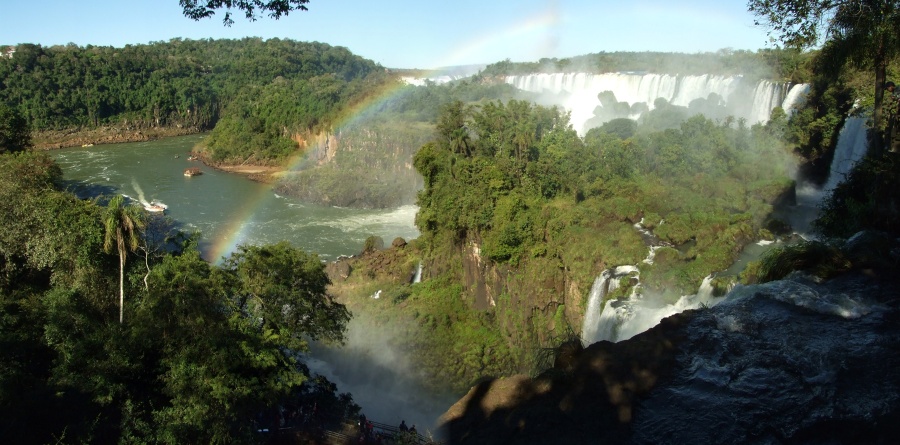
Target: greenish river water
{"x":227,"y":209}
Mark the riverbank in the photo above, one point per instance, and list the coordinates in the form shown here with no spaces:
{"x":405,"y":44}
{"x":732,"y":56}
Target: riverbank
{"x":56,"y":139}
{"x":259,"y":173}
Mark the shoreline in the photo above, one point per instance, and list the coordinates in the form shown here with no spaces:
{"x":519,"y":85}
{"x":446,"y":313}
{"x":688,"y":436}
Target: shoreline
{"x":57,"y":139}
{"x":265,"y":174}
{"x":69,"y":138}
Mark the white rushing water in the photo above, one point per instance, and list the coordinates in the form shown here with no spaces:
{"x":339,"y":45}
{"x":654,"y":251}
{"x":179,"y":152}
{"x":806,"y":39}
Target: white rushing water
{"x":577,"y":92}
{"x":620,"y":319}
{"x":595,"y":326}
{"x":851,"y":147}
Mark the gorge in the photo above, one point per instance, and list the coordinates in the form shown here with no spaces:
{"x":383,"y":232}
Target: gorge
{"x":574,"y":232}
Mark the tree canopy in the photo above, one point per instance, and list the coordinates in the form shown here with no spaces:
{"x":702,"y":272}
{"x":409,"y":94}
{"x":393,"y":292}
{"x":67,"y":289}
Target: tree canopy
{"x":200,"y":9}
{"x":863,"y":32}
{"x":207,"y":354}
{"x":14,"y":131}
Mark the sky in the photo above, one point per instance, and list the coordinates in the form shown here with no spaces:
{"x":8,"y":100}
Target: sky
{"x":424,"y":34}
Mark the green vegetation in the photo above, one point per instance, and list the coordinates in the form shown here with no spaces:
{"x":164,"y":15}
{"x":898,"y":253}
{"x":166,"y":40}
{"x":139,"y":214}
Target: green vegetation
{"x":858,"y":56}
{"x":530,"y":184}
{"x":864,"y":200}
{"x":204,"y":354}
{"x":190,"y":84}
{"x":368,"y":162}
{"x":14,"y":131}
{"x":860,"y":33}
{"x":813,"y":257}
{"x":123,"y":225}
{"x":519,"y":215}
{"x":788,"y":65}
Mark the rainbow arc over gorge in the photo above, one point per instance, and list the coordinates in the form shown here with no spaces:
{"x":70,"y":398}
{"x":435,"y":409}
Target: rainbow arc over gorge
{"x":234,"y":232}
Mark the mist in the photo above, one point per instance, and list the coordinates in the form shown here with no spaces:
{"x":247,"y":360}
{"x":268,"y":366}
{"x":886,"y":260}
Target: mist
{"x":593,"y":99}
{"x":381,"y":377}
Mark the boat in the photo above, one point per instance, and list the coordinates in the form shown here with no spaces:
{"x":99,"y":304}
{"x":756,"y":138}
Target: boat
{"x":193,"y":171}
{"x":155,"y":207}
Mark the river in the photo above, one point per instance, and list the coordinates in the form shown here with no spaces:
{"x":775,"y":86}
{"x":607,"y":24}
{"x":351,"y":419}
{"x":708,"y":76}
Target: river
{"x":225,"y":208}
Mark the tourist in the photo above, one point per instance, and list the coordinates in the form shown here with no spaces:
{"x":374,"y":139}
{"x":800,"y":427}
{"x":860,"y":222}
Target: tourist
{"x":403,"y":426}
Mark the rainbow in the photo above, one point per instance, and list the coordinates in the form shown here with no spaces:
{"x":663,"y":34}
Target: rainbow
{"x":235,"y":231}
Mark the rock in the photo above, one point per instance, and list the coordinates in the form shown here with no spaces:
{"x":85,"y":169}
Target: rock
{"x":790,"y":361}
{"x":343,"y":269}
{"x":398,"y":242}
{"x":373,"y":244}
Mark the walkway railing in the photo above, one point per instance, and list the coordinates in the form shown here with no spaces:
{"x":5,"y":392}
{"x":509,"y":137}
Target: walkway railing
{"x":380,"y":433}
{"x":391,"y":434}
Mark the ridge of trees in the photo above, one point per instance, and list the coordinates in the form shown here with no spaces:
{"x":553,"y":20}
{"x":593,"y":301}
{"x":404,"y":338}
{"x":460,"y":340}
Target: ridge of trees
{"x":181,"y":82}
{"x":786,"y":65}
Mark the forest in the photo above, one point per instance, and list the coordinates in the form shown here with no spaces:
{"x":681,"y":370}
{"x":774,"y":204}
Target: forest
{"x":187,"y":83}
{"x":204,"y":352}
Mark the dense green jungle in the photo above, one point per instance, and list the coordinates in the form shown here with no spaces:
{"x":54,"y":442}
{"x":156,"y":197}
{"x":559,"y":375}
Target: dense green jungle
{"x":518,"y":214}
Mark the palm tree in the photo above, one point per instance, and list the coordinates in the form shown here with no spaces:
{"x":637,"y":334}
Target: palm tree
{"x":123,"y":230}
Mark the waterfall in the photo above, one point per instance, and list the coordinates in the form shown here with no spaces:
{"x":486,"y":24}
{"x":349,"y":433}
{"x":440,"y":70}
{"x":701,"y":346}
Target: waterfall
{"x":851,"y":146}
{"x":577,"y":92}
{"x":621,"y":319}
{"x":595,"y":326}
{"x":766,"y":96}
{"x":418,"y":276}
{"x":795,"y":97}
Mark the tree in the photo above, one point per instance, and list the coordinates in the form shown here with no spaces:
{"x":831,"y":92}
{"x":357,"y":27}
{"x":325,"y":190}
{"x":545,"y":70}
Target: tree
{"x":14,"y":133}
{"x":859,"y":31}
{"x":123,"y":226}
{"x":285,"y":290}
{"x":200,"y":9}
{"x":451,"y":126}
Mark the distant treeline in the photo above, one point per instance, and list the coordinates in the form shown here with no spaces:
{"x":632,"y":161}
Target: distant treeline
{"x":174,"y":83}
{"x":774,"y":64}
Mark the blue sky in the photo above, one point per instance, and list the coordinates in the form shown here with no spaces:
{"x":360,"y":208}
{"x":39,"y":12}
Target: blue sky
{"x":410,"y":34}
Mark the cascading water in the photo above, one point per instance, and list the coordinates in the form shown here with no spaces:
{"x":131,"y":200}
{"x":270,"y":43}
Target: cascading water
{"x":578,"y":92}
{"x":782,"y":362}
{"x":795,"y":97}
{"x":621,"y":319}
{"x":851,"y":147}
{"x":597,"y":327}
{"x":418,"y":276}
